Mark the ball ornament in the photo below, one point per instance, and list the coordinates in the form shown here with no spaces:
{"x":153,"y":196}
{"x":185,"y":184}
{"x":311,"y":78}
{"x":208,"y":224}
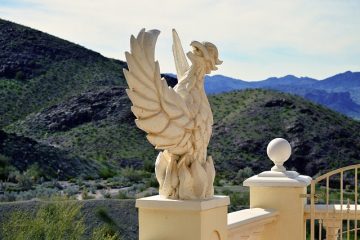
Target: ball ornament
{"x":279,"y":151}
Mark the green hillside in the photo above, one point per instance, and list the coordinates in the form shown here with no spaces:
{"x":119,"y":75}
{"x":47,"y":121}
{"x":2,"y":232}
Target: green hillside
{"x":245,"y":121}
{"x":38,"y":70}
{"x":72,"y":100}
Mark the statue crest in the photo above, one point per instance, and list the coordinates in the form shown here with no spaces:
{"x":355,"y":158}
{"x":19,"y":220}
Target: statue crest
{"x":178,"y":121}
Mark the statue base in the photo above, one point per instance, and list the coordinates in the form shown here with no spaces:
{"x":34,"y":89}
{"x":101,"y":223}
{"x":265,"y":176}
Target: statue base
{"x":161,"y":218}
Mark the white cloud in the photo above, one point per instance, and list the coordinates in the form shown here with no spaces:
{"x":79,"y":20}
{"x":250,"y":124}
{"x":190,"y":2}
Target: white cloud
{"x":258,"y":39}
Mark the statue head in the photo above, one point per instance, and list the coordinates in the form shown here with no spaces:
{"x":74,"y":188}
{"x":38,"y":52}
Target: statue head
{"x":208,"y":52}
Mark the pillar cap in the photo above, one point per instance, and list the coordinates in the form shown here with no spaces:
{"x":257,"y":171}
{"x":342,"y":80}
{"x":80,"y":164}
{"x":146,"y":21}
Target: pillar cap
{"x":161,"y":203}
{"x":279,"y":151}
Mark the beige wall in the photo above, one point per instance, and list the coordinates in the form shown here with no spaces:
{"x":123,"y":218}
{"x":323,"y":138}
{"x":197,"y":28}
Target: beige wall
{"x":165,"y":219}
{"x":289,"y":204}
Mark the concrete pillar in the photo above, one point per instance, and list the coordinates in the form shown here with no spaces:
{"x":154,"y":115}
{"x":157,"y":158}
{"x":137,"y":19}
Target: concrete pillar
{"x":167,"y":219}
{"x":280,"y":190}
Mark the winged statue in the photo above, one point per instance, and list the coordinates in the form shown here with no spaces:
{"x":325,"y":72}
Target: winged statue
{"x":178,"y":121}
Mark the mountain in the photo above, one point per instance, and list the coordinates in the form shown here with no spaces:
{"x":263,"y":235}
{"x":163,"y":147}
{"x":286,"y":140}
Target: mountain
{"x":71,"y":107}
{"x":219,"y":83}
{"x":245,"y":121}
{"x":51,"y":162}
{"x":39,"y":70}
{"x":288,"y":80}
{"x":343,"y":82}
{"x":96,"y":125}
{"x":338,"y":101}
{"x":340,"y":92}
{"x":340,"y":82}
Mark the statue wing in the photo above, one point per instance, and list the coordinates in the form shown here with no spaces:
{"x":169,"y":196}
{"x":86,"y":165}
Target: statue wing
{"x":160,"y":111}
{"x":181,"y":63}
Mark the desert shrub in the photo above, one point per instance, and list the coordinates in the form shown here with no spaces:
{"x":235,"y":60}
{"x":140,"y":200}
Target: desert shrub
{"x":152,"y":182}
{"x":217,"y":181}
{"x":56,"y":221}
{"x":134,"y":175}
{"x":227,"y":192}
{"x":118,"y":181}
{"x":85,"y":194}
{"x":24,"y":181}
{"x":122,"y":195}
{"x":12,"y":175}
{"x":5,"y":167}
{"x":92,"y":189}
{"x":103,"y":233}
{"x":8,"y":197}
{"x":103,"y":215}
{"x":34,"y":172}
{"x":238,"y":200}
{"x":71,"y":190}
{"x":109,"y":229}
{"x":106,"y":172}
{"x":243,"y":174}
{"x":40,"y":191}
{"x":105,"y":193}
{"x":80,"y":182}
{"x":149,"y":165}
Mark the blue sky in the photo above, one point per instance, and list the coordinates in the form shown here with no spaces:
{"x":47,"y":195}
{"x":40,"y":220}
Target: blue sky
{"x":256,"y":39}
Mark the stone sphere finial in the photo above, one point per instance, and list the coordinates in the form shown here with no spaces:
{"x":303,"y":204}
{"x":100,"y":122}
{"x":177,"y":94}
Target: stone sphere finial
{"x":279,"y":150}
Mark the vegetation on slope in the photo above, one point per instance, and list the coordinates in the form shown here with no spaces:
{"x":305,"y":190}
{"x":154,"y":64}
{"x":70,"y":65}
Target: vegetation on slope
{"x":245,"y":121}
{"x":39,"y":70}
{"x":95,"y":220}
{"x":72,"y":99}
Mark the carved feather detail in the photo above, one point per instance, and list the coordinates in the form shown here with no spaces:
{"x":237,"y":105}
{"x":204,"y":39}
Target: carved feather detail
{"x":160,"y":111}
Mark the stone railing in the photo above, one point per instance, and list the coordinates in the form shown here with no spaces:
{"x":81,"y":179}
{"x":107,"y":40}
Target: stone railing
{"x":333,"y":210}
{"x":249,"y":224}
{"x":330,"y":218}
{"x":208,"y":219}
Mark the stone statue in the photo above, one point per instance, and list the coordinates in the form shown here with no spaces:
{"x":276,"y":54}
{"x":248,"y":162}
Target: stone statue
{"x":177,"y":120}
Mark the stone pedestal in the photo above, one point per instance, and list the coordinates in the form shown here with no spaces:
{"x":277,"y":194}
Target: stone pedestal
{"x":285,"y":195}
{"x":281,"y":190}
{"x":166,"y":219}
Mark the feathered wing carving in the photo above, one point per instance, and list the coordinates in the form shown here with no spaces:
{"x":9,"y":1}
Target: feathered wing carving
{"x":181,"y":63}
{"x":159,"y":110}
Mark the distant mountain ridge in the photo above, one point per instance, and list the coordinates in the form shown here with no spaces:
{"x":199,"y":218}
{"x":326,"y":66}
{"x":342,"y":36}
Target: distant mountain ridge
{"x":340,"y":92}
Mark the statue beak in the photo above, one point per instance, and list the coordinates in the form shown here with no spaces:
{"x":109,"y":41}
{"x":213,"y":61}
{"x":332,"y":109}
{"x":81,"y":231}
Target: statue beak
{"x":205,"y":53}
{"x":199,"y":46}
{"x":218,"y":62}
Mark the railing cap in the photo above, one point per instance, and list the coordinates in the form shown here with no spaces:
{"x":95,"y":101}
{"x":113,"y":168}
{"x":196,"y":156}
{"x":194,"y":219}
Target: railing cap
{"x":160,"y":203}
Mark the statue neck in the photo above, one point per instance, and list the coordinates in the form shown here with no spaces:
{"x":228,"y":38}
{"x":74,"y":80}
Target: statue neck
{"x":196,"y":76}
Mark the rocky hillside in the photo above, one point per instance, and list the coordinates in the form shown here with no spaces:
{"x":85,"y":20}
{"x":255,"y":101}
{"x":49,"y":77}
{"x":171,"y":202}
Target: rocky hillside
{"x":99,"y":126}
{"x":23,"y":152}
{"x":245,"y":121}
{"x":64,"y":107}
{"x":121,"y":213}
{"x":38,"y":70}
